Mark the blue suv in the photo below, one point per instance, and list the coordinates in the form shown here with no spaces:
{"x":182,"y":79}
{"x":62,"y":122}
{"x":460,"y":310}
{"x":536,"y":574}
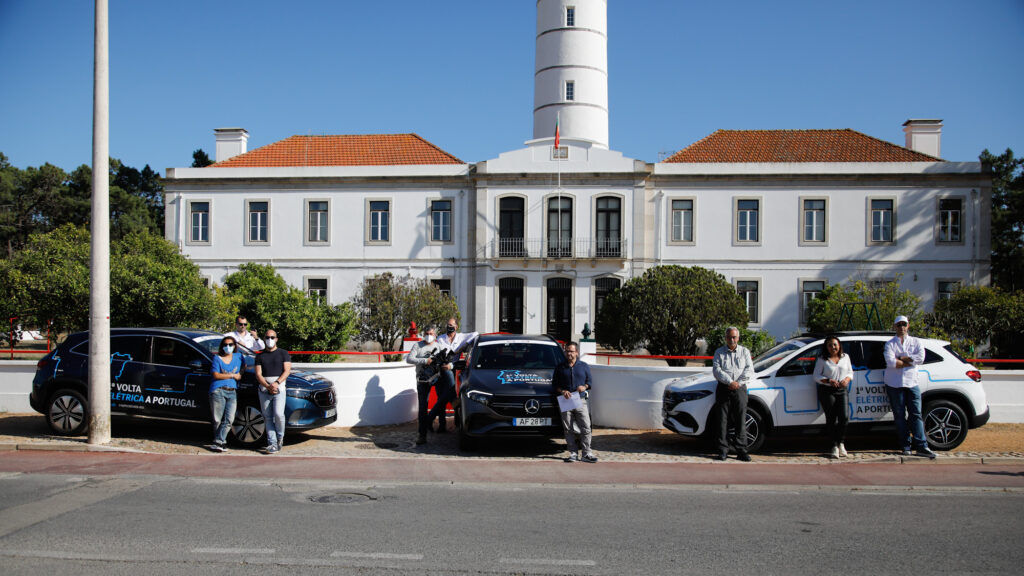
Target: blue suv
{"x":165,"y":373}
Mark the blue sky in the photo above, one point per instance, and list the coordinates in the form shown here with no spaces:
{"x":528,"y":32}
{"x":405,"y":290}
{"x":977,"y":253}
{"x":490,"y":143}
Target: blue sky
{"x":460,"y":73}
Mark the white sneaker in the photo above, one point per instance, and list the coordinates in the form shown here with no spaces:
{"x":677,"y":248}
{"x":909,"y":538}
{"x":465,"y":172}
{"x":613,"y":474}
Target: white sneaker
{"x":835,"y":451}
{"x":842,"y":451}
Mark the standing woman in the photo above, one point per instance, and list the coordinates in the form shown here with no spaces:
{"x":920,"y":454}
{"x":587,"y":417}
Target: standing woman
{"x":227,"y":371}
{"x":833,"y":373}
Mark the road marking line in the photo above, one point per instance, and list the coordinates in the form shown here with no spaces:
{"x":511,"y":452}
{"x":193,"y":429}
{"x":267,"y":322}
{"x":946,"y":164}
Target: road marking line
{"x":233,"y":551}
{"x":376,"y":555}
{"x":549,"y":561}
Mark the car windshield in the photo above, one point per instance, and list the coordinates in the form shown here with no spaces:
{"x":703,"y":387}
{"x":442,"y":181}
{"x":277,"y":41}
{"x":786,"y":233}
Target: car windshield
{"x":780,"y":351}
{"x":211,"y":343}
{"x":516,"y":355}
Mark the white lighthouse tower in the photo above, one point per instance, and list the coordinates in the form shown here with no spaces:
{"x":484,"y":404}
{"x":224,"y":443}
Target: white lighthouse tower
{"x":571,"y":77}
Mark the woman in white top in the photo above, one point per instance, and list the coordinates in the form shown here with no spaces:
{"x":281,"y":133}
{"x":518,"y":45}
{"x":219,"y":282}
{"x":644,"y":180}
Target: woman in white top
{"x":833,"y":373}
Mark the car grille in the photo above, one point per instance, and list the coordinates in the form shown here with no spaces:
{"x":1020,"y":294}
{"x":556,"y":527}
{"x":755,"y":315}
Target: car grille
{"x":514,"y":405}
{"x":324,"y":398}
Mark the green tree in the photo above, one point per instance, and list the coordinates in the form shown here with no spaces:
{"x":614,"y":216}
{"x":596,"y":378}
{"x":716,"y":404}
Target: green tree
{"x":668,"y":309}
{"x":387,"y":303}
{"x":200,"y":159}
{"x":1007,"y":219}
{"x":756,"y":341}
{"x":974,"y":315}
{"x":304,"y":323}
{"x":889,"y":300}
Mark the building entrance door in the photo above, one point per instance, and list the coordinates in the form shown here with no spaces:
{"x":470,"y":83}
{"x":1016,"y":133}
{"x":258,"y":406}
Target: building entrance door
{"x":510,"y":305}
{"x":560,"y":308}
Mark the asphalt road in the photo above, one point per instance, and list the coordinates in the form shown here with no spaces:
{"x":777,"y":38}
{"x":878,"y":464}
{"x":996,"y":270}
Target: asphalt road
{"x":164,"y":524}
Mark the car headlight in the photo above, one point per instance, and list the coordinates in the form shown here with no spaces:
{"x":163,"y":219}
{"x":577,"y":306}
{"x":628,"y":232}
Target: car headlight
{"x":299,"y":392}
{"x":673,"y":397}
{"x":479,"y":396}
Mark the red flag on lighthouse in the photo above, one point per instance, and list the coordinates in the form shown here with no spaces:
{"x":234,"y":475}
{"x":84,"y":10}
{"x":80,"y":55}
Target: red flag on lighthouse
{"x":556,"y":132}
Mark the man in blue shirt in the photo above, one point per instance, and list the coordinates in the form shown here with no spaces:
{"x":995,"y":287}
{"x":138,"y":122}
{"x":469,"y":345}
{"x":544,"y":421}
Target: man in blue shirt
{"x":573,"y":377}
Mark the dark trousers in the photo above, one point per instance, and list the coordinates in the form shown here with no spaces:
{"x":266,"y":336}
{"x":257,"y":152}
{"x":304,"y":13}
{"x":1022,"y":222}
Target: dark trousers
{"x":731,"y":409}
{"x":423,"y":399}
{"x":445,"y":394}
{"x":833,"y":402}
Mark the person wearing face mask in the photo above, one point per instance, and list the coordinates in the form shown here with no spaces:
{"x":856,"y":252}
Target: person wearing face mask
{"x":421,"y":356}
{"x":227,"y":372}
{"x":272,"y":368}
{"x":455,"y":343}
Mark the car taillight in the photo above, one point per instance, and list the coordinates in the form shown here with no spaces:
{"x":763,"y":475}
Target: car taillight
{"x":41,"y":363}
{"x":974,"y":375}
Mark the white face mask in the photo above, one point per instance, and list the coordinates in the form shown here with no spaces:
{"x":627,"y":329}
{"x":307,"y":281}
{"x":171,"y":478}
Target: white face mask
{"x":430,"y":338}
{"x":271,"y":342}
{"x":229,"y":348}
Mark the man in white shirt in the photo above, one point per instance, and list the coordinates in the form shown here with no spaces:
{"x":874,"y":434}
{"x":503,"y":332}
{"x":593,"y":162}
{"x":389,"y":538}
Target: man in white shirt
{"x":248,"y":338}
{"x":903,"y":354}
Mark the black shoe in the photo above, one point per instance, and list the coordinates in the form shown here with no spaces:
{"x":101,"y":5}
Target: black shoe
{"x":926,"y":453}
{"x":743,"y":457}
{"x":442,"y":429}
{"x":722,"y":456}
{"x":421,"y":439}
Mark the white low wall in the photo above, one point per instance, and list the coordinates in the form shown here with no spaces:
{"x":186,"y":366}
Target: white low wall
{"x":377,"y":394}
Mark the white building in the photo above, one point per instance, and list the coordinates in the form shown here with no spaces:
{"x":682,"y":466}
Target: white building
{"x":533,"y":240}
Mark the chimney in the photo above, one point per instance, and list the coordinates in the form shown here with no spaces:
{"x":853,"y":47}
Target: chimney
{"x":230,"y":142}
{"x":924,"y":136}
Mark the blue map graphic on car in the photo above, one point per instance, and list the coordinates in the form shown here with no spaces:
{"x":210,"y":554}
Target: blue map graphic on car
{"x":124,"y":359}
{"x":517,"y":377}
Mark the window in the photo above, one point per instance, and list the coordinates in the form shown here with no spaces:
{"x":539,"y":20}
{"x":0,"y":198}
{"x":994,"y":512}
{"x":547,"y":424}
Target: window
{"x":511,"y":242}
{"x":813,"y":221}
{"x":609,"y":228}
{"x":317,"y":289}
{"x":947,"y":288}
{"x":441,"y":221}
{"x":682,"y":220}
{"x":570,"y":16}
{"x":380,"y":212}
{"x":444,"y":285}
{"x":747,"y":290}
{"x":602,"y":288}
{"x":560,"y":153}
{"x":881,"y":221}
{"x":950,"y":215}
{"x":746,"y":220}
{"x":560,"y":227}
{"x":809,"y":290}
{"x":175,"y":353}
{"x":510,"y":305}
{"x":317,"y":222}
{"x":570,"y":90}
{"x":259,"y":221}
{"x":199,"y":222}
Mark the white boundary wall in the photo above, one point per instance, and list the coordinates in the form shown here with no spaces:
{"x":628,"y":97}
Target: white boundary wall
{"x":372,"y":394}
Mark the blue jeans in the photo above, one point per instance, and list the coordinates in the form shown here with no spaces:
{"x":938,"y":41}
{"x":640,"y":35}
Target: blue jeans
{"x":906,"y":405}
{"x":272,"y":407}
{"x":223,"y":402}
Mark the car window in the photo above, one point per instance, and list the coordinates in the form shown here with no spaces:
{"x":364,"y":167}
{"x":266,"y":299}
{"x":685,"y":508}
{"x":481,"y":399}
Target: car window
{"x":872,"y":354}
{"x":931,"y":357}
{"x":949,"y":348}
{"x":802,"y":364}
{"x":212,"y":344}
{"x":778,"y":352}
{"x":515,"y":355}
{"x":129,"y":348}
{"x":174,"y":352}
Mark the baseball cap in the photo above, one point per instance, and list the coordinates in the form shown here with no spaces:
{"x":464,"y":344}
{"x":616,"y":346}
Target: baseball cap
{"x":901,"y":319}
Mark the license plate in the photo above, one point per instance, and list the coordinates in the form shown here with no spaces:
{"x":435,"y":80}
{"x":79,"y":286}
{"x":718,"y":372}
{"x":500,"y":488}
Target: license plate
{"x":531,"y":421}
{"x":330,"y":412}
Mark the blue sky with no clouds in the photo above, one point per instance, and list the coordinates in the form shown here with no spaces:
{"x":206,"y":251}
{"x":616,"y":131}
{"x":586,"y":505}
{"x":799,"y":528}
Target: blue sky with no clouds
{"x":460,"y":73}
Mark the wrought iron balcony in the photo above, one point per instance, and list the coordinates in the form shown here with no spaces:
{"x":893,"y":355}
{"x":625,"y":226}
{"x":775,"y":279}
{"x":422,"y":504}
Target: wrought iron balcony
{"x":564,"y":248}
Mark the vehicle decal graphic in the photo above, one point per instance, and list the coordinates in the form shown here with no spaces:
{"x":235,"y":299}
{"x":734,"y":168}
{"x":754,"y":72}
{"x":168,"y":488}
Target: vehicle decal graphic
{"x":174,"y":389}
{"x":124,"y":359}
{"x":785,"y":402}
{"x":517,"y":377}
{"x":57,"y":365}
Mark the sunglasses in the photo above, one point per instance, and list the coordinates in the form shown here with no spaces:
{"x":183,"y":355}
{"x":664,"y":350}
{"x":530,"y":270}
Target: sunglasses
{"x":902,"y":324}
{"x":242,"y":324}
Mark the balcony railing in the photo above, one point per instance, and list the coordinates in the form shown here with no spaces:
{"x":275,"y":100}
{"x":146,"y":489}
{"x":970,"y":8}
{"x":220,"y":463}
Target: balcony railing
{"x":558,"y":248}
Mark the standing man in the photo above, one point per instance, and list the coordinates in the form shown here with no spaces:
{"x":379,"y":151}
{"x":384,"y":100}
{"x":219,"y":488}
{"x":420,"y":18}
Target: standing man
{"x":272,"y":369}
{"x":573,"y":377}
{"x":902,"y":356}
{"x":427,"y":374}
{"x":248,"y":338}
{"x":454,"y":342}
{"x":733,"y":368}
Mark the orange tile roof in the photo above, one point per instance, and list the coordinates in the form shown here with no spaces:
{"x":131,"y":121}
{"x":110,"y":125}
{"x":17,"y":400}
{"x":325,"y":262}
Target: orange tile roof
{"x":344,"y":150}
{"x":770,"y":146}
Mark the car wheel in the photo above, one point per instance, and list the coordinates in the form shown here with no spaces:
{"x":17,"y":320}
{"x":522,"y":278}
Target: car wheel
{"x":757,"y":431}
{"x":249,"y":427}
{"x":945,"y":424}
{"x":67,"y":413}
